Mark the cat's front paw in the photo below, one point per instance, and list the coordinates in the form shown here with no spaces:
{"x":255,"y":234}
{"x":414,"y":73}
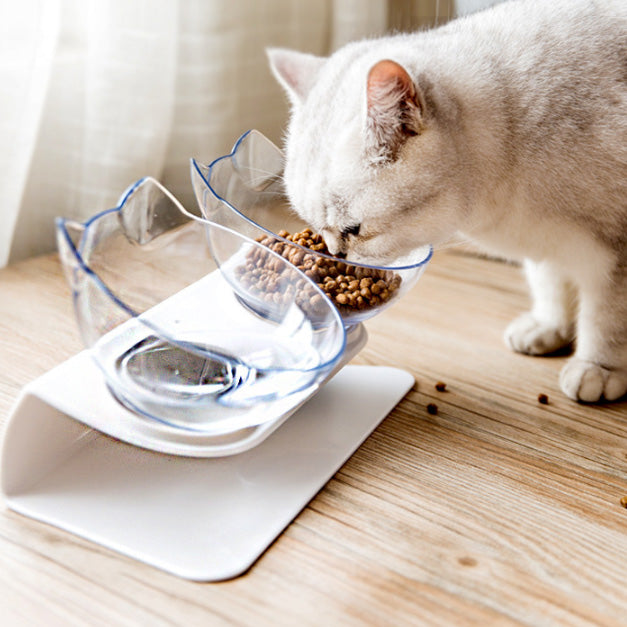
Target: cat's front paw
{"x":586,"y":381}
{"x":528,"y":335}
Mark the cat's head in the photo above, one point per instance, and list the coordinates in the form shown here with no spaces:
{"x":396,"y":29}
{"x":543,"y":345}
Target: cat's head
{"x":367,"y":164}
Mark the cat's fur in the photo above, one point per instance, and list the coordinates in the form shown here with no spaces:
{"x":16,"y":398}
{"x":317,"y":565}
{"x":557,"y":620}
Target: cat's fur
{"x":509,"y":127}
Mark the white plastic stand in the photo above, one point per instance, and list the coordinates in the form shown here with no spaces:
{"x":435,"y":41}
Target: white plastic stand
{"x":73,"y":457}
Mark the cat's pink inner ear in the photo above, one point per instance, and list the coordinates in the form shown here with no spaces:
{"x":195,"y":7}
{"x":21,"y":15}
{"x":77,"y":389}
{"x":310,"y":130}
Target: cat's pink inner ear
{"x":394,"y":110}
{"x":388,"y":79}
{"x":395,"y":104}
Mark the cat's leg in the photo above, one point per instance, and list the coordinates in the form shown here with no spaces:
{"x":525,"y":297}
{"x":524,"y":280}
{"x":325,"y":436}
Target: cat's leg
{"x":599,"y":367}
{"x":550,"y":325}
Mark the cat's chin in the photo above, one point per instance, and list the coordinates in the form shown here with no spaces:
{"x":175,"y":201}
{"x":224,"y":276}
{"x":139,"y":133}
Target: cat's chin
{"x":389,"y":258}
{"x":381,"y":261}
{"x":371,"y":260}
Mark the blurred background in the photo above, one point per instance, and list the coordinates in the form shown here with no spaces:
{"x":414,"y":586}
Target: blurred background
{"x":97,"y":93}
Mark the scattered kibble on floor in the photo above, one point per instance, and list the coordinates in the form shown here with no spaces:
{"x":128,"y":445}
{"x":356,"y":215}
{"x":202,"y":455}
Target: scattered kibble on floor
{"x":543,"y":399}
{"x":432,"y":409}
{"x":623,"y":501}
{"x":440,"y":386}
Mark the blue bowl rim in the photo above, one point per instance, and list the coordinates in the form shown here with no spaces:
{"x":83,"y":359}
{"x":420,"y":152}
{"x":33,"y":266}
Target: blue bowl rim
{"x":93,"y":275}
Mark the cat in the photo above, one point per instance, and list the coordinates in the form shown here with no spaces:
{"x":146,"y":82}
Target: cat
{"x":507,"y":127}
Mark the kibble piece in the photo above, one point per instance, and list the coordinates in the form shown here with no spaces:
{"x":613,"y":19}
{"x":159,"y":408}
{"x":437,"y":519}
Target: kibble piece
{"x":440,"y":386}
{"x":432,"y":409}
{"x":543,"y":399}
{"x":623,"y":501}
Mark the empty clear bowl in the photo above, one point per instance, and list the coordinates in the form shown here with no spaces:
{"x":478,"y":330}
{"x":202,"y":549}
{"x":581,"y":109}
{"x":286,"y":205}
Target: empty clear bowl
{"x":243,"y":191}
{"x":194,"y":324}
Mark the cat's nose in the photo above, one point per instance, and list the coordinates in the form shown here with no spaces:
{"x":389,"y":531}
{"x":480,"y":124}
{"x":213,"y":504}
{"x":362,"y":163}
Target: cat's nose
{"x":333,"y":240}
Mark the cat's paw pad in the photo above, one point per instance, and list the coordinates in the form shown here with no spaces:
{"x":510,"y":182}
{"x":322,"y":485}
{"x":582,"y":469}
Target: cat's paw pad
{"x":586,"y":381}
{"x":528,"y":335}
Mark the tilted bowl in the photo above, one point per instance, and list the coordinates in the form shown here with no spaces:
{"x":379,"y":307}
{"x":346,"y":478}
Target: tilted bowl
{"x":243,"y":191}
{"x":183,"y":328}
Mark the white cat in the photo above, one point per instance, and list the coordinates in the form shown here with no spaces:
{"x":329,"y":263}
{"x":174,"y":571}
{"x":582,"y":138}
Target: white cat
{"x":508,"y":127}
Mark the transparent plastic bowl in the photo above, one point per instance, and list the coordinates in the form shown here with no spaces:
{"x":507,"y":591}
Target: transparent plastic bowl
{"x":243,"y":191}
{"x":180,"y":319}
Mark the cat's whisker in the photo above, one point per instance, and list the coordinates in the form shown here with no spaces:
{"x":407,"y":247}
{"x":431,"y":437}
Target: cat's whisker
{"x":274,"y":173}
{"x":268,"y":173}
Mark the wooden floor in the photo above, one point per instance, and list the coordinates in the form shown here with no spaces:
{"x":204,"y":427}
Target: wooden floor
{"x":496,"y":510}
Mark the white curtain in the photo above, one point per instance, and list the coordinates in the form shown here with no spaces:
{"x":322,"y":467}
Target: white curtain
{"x":97,"y":93}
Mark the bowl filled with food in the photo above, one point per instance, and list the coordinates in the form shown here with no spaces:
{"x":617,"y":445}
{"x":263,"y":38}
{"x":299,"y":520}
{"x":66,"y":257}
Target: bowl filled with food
{"x":244,"y":191}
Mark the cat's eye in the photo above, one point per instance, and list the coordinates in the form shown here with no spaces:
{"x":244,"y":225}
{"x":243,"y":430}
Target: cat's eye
{"x":351,"y":230}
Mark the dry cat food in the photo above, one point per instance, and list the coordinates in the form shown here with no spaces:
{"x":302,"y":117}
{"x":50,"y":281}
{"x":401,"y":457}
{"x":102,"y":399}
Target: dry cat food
{"x":351,"y":288}
{"x":432,"y":409}
{"x":623,"y":501}
{"x":543,"y":399}
{"x":440,"y":386}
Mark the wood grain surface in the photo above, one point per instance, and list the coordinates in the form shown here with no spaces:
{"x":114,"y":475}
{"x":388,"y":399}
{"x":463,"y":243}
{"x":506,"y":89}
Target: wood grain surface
{"x":497,"y":510}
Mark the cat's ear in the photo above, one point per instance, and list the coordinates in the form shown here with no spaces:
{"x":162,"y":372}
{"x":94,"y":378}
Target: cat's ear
{"x":394,"y":109}
{"x":295,"y":71}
